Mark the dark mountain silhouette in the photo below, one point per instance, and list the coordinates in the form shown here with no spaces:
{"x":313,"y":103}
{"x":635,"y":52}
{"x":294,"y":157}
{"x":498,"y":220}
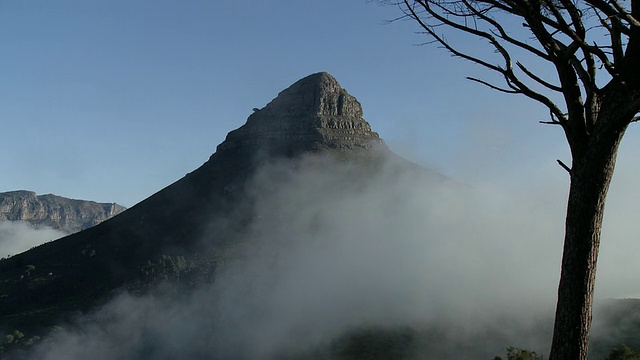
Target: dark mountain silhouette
{"x":313,"y":115}
{"x":57,"y":212}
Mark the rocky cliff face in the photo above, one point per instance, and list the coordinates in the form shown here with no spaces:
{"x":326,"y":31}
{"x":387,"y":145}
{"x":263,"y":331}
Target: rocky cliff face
{"x":314,"y":113}
{"x":68,"y":215}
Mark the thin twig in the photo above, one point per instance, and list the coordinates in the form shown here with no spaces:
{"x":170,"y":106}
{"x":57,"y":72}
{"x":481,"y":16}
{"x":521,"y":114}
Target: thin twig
{"x":564,"y":166}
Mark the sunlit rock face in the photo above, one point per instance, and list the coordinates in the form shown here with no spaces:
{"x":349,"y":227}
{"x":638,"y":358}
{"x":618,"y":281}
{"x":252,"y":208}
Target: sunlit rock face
{"x":312,"y":114}
{"x":68,"y":215}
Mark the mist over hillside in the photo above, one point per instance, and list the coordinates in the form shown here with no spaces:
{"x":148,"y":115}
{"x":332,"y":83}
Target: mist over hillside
{"x":305,"y":237}
{"x":19,"y":236}
{"x":28,"y":220}
{"x":334,"y":248}
{"x":446,"y":270}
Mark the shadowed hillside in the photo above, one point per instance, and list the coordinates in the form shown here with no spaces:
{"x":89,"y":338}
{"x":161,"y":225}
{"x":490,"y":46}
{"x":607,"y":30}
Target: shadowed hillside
{"x":74,"y":273}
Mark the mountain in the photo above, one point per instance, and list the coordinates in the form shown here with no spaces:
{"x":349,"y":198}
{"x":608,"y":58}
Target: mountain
{"x":186,"y":232}
{"x":313,"y":115}
{"x":60,"y":213}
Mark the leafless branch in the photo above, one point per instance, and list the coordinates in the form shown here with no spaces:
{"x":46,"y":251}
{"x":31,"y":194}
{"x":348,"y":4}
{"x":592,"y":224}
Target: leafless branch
{"x":516,"y":85}
{"x":503,"y":34}
{"x":623,"y":14}
{"x":538,"y":79}
{"x":562,"y":29}
{"x":564,"y":166}
{"x":497,"y":88}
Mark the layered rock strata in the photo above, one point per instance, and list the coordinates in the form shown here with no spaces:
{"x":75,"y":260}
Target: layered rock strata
{"x":312,"y":114}
{"x":68,"y":215}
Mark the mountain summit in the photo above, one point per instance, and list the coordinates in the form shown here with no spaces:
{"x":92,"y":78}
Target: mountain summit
{"x":312,"y":114}
{"x":197,"y":214}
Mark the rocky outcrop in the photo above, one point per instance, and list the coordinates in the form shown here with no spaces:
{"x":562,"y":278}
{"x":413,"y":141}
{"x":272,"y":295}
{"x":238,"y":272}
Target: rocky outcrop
{"x":312,"y":114}
{"x":68,"y":215}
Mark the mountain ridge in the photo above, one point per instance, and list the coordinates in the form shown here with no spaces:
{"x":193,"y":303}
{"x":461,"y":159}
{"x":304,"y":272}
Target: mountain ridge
{"x":57,"y":212}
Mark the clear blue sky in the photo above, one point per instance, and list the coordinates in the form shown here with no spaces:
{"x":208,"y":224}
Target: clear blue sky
{"x":113,"y":100}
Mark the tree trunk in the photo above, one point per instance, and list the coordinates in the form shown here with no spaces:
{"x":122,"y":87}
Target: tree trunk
{"x":592,"y":168}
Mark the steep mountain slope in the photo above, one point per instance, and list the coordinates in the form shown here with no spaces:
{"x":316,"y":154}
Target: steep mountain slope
{"x":209,"y":205}
{"x":68,"y":215}
{"x":325,"y":224}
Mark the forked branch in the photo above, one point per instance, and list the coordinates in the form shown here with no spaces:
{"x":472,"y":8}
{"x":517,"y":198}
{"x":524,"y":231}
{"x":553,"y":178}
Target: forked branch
{"x":428,"y":17}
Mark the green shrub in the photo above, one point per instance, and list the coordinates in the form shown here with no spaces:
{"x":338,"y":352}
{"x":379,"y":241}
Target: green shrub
{"x":514,"y":353}
{"x":622,"y":352}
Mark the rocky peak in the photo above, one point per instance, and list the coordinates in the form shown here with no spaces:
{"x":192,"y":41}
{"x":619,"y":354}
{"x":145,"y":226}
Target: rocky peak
{"x":317,"y":94}
{"x":69,"y":215}
{"x":314,"y":113}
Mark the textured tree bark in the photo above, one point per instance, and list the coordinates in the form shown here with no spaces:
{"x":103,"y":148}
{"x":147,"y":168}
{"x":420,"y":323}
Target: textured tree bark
{"x":591,"y":173}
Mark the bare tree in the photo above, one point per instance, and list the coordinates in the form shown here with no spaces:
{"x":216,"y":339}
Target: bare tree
{"x":594,"y":48}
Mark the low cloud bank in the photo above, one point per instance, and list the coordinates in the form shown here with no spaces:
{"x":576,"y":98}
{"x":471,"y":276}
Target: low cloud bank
{"x":334,"y":248}
{"x":20,"y":236}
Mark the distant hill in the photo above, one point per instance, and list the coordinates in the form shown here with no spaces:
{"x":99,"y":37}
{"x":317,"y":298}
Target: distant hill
{"x":57,"y":212}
